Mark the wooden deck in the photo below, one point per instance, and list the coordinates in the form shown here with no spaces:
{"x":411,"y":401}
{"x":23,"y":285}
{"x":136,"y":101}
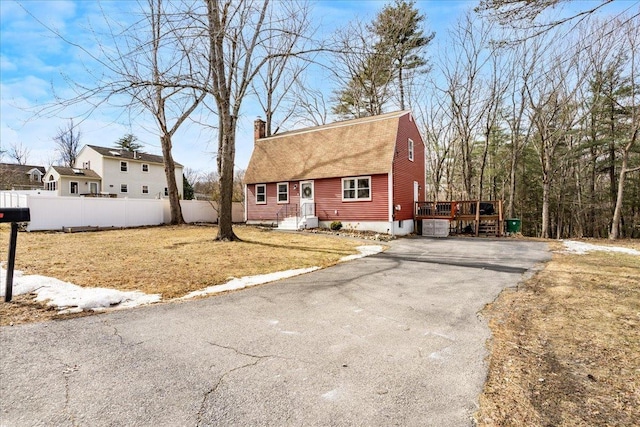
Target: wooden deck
{"x":465,"y":216}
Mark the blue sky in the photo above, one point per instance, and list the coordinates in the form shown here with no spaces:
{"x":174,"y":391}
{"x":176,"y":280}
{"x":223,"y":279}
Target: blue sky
{"x":34,"y":64}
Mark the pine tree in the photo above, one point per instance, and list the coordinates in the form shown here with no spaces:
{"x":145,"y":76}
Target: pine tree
{"x":401,"y":39}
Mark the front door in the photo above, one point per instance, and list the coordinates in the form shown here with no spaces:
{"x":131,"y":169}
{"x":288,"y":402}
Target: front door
{"x":306,"y":198}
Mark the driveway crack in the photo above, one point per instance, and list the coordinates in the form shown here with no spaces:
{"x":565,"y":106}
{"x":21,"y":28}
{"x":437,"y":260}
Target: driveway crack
{"x":66,"y":373}
{"x":213,"y":389}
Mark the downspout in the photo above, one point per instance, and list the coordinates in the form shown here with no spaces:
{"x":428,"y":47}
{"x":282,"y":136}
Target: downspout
{"x":392,"y":206}
{"x":246,"y":205}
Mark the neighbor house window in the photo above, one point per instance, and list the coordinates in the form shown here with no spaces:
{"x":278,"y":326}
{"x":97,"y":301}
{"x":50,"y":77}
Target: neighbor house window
{"x":123,"y":188}
{"x":261,"y":194}
{"x":74,"y":187}
{"x":283,"y":192}
{"x":145,"y":167}
{"x":166,"y":191}
{"x":145,"y":189}
{"x":124,"y":166}
{"x":358,"y":188}
{"x":410,"y":150}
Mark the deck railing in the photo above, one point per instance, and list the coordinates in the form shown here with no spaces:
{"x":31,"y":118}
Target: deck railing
{"x":466,"y":213}
{"x":455,"y":209}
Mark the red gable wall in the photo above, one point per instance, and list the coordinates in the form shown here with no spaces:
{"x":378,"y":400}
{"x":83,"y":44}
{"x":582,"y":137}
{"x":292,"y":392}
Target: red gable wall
{"x":405,"y":171}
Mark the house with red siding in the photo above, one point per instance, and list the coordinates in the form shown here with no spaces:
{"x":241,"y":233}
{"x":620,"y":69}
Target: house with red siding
{"x":366,"y":173}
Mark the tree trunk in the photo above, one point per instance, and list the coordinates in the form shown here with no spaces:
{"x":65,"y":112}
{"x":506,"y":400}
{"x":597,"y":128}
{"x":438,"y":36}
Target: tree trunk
{"x":546,"y":189}
{"x":172,"y":185}
{"x":617,"y":212}
{"x":227,"y":154}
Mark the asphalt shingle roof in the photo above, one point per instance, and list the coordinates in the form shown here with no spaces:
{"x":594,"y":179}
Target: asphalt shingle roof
{"x":87,"y":173}
{"x":117,"y":153}
{"x":349,"y":148}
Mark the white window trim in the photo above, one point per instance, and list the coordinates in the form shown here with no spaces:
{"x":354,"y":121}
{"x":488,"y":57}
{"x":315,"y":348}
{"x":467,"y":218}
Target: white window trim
{"x":126,"y":186}
{"x":127,"y":166}
{"x":264,"y":186}
{"x":145,"y":192}
{"x":356,"y":199}
{"x":71,"y":186}
{"x":142,"y":168}
{"x":282,"y":202}
{"x":411,"y":148}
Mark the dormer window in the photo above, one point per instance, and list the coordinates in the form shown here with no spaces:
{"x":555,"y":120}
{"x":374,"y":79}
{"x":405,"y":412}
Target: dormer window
{"x":35,"y":175}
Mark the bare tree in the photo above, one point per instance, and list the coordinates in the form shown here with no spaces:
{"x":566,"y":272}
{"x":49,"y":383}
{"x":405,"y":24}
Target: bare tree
{"x":275,"y":81}
{"x":237,"y":32}
{"x":524,"y":14}
{"x":523,"y":62}
{"x":19,"y":153}
{"x":632,"y":108}
{"x":463,"y":73}
{"x":67,"y":142}
{"x":313,"y":108}
{"x":151,"y":71}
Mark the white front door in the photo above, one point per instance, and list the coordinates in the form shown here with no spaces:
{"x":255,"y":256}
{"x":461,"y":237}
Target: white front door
{"x":306,"y":198}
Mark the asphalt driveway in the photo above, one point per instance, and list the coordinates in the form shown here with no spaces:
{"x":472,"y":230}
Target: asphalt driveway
{"x":392,"y":339}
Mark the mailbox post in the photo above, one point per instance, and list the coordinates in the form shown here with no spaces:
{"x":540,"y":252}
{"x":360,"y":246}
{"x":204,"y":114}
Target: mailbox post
{"x":14,"y":216}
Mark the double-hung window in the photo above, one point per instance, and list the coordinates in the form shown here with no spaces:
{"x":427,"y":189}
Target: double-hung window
{"x":261,"y":194}
{"x":124,"y":166}
{"x":283,"y":192}
{"x":410,"y":149}
{"x":355,"y":189}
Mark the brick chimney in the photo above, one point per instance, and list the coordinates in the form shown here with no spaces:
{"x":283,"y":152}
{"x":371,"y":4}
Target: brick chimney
{"x":259,"y":129}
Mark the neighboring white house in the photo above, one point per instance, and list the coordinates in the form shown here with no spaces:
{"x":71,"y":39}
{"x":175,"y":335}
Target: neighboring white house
{"x":120,"y":173}
{"x":72,"y":181}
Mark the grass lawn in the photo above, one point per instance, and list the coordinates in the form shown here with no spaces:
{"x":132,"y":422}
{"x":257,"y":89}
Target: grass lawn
{"x":566,"y":345}
{"x":171,"y":261}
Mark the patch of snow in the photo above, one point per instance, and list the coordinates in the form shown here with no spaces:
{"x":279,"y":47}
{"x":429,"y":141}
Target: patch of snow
{"x":70,"y":298}
{"x":364,"y":251}
{"x":245,"y":282}
{"x":582,"y":248}
{"x":331,"y":395}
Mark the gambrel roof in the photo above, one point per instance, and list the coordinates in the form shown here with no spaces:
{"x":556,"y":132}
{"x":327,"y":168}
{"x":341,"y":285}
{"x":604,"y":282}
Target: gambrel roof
{"x":350,"y":148}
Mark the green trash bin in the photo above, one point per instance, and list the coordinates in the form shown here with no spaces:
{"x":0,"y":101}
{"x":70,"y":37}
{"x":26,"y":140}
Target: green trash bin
{"x":513,"y":225}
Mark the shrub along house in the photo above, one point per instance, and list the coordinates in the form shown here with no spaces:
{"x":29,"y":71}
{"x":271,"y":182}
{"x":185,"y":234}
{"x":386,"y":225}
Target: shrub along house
{"x":366,"y":173}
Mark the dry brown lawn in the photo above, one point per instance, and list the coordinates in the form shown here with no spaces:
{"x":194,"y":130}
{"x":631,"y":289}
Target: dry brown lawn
{"x":171,"y":261}
{"x":566,"y":345}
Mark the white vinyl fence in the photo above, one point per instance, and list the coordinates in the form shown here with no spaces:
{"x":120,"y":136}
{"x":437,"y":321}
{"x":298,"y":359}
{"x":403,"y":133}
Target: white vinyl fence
{"x":51,"y":212}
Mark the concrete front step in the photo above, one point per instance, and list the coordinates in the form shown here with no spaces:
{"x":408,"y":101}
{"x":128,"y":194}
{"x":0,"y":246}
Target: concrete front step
{"x":293,"y":223}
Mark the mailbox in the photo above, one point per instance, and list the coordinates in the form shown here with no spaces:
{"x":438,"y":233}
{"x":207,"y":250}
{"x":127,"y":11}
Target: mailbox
{"x":14,"y":216}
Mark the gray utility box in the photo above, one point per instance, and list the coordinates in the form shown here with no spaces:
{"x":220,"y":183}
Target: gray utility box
{"x":435,"y":227}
